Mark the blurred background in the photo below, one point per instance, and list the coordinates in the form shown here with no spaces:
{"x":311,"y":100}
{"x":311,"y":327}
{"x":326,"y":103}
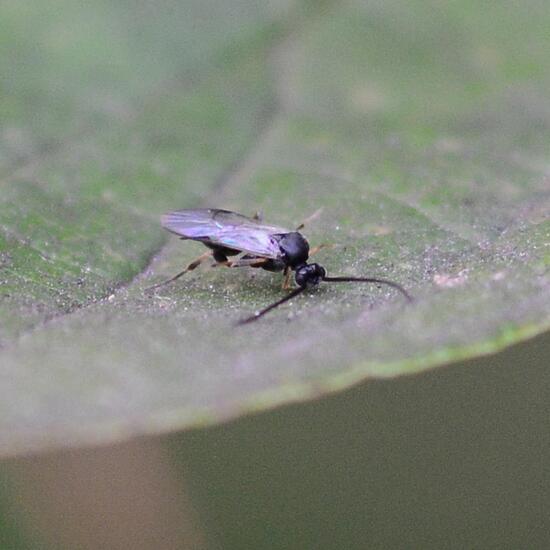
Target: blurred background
{"x":451,"y":458}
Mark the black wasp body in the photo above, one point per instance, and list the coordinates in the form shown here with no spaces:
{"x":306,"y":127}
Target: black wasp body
{"x":228,"y":234}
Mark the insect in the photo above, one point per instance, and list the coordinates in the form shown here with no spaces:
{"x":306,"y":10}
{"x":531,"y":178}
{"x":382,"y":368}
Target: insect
{"x":254,"y":244}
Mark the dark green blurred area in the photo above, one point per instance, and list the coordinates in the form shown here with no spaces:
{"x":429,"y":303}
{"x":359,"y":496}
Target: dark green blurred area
{"x":453,"y":458}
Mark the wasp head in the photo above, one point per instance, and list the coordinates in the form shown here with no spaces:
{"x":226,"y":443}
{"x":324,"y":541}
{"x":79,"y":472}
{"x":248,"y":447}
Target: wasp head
{"x":309,"y":274}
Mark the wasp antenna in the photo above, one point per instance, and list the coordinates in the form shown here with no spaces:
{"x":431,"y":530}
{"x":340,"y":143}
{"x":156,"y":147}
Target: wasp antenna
{"x":262,"y":312}
{"x":370,"y":280}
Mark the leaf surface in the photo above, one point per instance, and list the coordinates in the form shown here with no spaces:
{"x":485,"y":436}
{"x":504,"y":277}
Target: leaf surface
{"x":421,"y":129}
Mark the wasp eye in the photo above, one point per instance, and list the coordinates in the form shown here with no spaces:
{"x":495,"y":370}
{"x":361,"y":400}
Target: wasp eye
{"x":301,"y":277}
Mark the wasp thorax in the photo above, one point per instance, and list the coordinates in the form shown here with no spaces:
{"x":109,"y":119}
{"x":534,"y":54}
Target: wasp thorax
{"x":294,"y":247}
{"x":310,"y":274}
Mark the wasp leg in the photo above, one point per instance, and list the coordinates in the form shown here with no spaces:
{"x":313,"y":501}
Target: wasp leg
{"x":316,"y":249}
{"x":286,"y":281}
{"x":242,"y":262}
{"x":309,"y":219}
{"x":193,"y":265}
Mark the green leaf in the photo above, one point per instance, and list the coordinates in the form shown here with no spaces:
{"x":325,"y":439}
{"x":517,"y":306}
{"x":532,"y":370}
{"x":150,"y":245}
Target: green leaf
{"x":422,"y":130}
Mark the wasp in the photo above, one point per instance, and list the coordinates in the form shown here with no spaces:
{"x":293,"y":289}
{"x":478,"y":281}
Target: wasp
{"x":254,"y":244}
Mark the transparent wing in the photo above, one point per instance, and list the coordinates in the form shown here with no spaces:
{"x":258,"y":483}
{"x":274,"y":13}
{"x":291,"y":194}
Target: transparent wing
{"x":225,"y":228}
